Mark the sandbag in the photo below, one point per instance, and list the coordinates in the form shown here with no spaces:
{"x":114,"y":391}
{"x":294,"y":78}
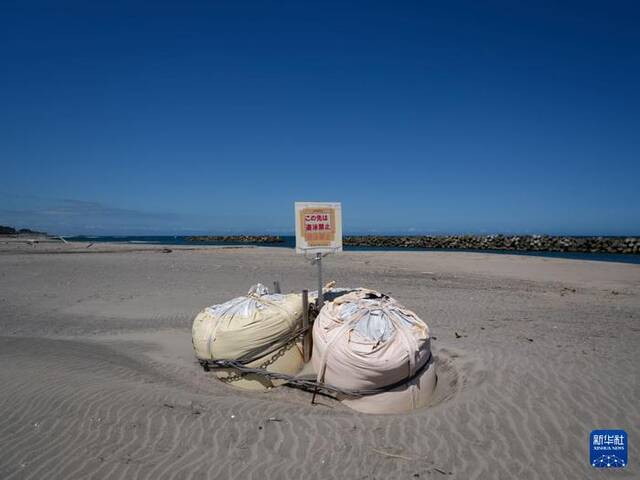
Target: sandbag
{"x":287,"y":360}
{"x":416,"y":393}
{"x":365,"y":340}
{"x":247,"y":327}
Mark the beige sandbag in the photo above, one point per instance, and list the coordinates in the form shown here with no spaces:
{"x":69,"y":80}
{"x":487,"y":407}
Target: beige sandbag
{"x":287,"y":360}
{"x":364,"y":340}
{"x":246,"y":327}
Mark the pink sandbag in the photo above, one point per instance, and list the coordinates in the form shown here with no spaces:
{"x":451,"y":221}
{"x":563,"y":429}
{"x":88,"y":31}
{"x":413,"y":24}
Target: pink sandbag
{"x":364,"y":340}
{"x":416,"y":393}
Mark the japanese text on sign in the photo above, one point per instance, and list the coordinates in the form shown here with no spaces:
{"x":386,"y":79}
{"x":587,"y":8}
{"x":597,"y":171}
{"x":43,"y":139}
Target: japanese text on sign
{"x":318,"y":227}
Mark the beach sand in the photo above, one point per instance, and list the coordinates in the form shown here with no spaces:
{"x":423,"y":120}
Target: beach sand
{"x":98,"y":378}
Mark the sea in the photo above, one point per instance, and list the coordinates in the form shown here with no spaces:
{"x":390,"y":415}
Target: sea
{"x":290,"y":242}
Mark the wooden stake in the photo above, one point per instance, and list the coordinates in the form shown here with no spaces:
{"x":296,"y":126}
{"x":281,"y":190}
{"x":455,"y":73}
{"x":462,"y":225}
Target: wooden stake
{"x":306,"y":337}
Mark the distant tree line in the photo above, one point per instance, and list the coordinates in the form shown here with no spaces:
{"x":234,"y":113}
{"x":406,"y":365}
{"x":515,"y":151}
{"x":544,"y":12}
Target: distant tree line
{"x":4,"y":230}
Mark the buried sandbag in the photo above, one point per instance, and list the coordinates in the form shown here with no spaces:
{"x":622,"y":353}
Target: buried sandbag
{"x":287,"y":360}
{"x":256,"y":329}
{"x":413,"y":394}
{"x":365,"y":342}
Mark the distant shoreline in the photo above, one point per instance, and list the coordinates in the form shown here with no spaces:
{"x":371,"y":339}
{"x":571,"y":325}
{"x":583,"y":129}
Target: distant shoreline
{"x":616,"y":249}
{"x":629,"y":245}
{"x":525,"y":243}
{"x":237,"y":238}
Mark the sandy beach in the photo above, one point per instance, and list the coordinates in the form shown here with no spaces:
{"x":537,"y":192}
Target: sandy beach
{"x":98,"y":378}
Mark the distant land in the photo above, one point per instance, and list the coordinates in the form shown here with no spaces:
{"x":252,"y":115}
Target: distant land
{"x":237,"y":238}
{"x":4,"y":230}
{"x":535,"y":243}
{"x":522,"y":243}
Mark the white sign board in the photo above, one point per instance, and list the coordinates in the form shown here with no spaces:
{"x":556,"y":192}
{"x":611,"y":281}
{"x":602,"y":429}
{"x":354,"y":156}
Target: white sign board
{"x":318,"y":227}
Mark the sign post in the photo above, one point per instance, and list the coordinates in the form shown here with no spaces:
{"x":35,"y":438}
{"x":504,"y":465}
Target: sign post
{"x":319,"y":232}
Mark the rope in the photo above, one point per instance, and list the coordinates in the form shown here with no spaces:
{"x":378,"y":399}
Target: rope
{"x":308,"y":384}
{"x":311,"y":385}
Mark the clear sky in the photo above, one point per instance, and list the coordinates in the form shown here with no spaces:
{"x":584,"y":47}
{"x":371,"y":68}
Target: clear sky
{"x":420,"y":117}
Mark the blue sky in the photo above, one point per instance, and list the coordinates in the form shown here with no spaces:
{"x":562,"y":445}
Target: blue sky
{"x":420,"y":117}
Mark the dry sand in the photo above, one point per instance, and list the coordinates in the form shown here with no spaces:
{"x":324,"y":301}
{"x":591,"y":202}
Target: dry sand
{"x":98,"y":380}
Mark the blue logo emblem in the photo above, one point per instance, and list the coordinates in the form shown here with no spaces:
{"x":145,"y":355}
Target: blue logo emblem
{"x":608,"y":449}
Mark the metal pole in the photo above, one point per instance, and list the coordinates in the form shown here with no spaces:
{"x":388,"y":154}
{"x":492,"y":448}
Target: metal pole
{"x":320,"y":294}
{"x":319,"y":304}
{"x":306,"y":336}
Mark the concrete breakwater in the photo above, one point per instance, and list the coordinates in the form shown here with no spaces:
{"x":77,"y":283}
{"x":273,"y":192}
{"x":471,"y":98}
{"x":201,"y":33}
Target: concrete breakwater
{"x":503,"y":242}
{"x":237,"y":238}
